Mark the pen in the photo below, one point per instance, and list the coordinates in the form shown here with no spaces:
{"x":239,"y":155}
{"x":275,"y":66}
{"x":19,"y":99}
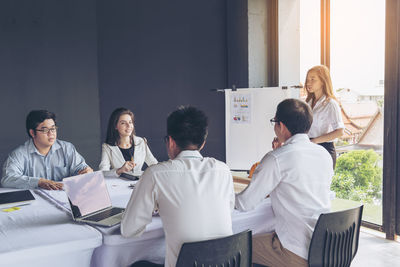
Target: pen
{"x":22,"y":205}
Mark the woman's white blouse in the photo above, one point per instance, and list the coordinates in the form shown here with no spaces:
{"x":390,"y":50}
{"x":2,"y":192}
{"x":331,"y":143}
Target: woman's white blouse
{"x":112,"y":158}
{"x":327,"y":117}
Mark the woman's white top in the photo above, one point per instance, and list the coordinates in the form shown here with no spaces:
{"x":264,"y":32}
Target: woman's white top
{"x":112,"y":158}
{"x":327,"y":117}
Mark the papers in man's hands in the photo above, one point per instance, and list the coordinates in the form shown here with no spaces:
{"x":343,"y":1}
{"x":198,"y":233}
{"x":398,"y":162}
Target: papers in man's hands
{"x":15,"y":198}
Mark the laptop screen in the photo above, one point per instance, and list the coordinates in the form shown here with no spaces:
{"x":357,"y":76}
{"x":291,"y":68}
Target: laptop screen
{"x":87,"y":193}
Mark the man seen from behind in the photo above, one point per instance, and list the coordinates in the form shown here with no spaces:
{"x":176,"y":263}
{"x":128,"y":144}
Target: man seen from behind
{"x":297,"y":176}
{"x":193,"y":194}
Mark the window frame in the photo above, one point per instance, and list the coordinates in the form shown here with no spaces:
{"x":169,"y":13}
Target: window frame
{"x":391,"y":155}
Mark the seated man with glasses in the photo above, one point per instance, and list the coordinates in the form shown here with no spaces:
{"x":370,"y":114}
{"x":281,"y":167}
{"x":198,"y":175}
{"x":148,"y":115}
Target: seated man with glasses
{"x":297,"y":176}
{"x":43,"y":160}
{"x":193,"y":194}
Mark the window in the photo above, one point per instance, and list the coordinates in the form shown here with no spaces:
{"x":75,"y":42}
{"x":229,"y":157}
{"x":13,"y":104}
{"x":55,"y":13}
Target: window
{"x":310,"y":36}
{"x":349,"y":37}
{"x":357,"y":57}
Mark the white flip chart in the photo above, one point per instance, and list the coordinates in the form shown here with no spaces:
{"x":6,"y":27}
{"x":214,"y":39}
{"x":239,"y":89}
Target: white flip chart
{"x":248,"y":130}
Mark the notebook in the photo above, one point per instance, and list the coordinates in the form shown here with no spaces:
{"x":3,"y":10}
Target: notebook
{"x":89,"y":200}
{"x":15,"y":198}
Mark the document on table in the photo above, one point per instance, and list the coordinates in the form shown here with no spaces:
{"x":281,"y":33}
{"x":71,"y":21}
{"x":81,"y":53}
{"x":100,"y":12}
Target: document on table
{"x":57,"y":197}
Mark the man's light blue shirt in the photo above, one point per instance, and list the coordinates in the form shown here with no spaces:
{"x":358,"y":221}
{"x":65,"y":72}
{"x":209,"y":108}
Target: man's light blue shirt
{"x":25,"y":165}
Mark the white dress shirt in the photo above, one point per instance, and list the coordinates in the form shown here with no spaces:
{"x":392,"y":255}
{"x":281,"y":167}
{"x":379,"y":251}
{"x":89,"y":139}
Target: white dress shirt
{"x":112,"y":158}
{"x":327,"y":117}
{"x":297,"y":176}
{"x":194,"y":196}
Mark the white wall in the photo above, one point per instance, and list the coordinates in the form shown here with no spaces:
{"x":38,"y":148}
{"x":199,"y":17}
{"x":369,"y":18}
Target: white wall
{"x":257,"y":43}
{"x":289,"y":42}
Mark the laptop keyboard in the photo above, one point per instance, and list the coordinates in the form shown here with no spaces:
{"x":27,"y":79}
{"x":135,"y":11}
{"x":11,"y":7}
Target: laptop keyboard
{"x":103,"y":215}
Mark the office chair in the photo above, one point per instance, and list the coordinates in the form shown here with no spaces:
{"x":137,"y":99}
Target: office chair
{"x":335,"y":238}
{"x":231,"y":251}
{"x":334,"y":242}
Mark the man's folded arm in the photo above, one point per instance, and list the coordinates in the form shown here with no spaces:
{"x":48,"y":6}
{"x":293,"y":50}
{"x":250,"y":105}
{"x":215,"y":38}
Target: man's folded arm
{"x":13,"y":175}
{"x":265,"y":178}
{"x":78,"y":162}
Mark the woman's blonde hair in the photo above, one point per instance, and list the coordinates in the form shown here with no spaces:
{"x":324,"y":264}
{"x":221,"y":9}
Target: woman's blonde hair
{"x":327,"y":88}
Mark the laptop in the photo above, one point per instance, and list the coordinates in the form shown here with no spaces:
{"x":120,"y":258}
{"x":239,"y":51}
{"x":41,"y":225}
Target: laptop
{"x":89,"y":200}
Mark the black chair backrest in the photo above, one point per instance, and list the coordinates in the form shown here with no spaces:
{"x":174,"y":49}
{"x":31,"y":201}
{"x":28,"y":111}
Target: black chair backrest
{"x":231,"y":251}
{"x":334,"y":242}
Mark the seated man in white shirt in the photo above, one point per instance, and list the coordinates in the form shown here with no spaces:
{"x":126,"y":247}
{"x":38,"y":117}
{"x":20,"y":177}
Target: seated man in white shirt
{"x":297,"y":176}
{"x":193,"y":194}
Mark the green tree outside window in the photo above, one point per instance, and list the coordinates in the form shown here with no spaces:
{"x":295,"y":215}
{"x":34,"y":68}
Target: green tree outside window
{"x":358,"y":176}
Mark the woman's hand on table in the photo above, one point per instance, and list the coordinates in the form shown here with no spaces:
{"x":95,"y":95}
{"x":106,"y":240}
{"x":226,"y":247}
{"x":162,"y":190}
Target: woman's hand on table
{"x":127,"y":167}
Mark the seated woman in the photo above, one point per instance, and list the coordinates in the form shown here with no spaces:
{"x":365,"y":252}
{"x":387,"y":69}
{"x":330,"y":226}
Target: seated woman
{"x":123,"y":151}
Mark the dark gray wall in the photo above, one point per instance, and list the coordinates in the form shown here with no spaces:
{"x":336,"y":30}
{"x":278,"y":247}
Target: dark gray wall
{"x":237,"y":43}
{"x":48,"y":60}
{"x":157,"y":55}
{"x":82,"y":59}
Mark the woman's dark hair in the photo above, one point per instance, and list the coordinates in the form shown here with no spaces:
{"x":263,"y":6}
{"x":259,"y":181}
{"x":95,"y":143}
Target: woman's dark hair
{"x":112,"y":133}
{"x":187,"y":126}
{"x":36,"y":117}
{"x":295,"y":114}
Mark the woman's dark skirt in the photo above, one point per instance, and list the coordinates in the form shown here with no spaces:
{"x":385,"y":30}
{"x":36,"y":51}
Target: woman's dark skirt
{"x":330,"y":147}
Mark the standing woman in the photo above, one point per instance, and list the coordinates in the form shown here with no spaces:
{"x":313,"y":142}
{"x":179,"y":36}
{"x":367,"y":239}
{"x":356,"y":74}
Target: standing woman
{"x":123,"y":151}
{"x":327,"y":122}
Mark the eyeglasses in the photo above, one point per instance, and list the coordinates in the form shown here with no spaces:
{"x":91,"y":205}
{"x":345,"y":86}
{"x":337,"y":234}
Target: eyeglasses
{"x":166,"y":138}
{"x":47,"y":130}
{"x":273,"y":121}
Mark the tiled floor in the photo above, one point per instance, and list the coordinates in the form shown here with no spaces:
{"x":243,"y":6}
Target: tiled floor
{"x":374,"y":250}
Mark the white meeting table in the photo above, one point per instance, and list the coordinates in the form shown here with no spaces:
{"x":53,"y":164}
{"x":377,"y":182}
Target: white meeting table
{"x":43,"y":233}
{"x":40,"y":234}
{"x":118,"y":251}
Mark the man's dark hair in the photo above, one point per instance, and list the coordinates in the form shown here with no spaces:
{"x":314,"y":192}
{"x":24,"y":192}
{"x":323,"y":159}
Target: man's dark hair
{"x":36,"y":117}
{"x":295,"y":114}
{"x":187,"y":126}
